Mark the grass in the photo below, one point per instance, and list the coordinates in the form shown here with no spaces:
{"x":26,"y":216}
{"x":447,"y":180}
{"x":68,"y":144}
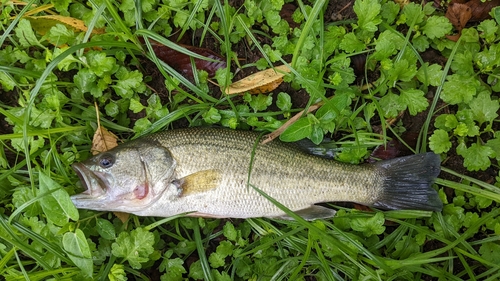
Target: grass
{"x":51,"y":81}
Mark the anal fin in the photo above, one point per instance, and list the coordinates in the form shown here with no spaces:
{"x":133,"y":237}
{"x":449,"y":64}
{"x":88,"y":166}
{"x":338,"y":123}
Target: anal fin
{"x":313,"y":212}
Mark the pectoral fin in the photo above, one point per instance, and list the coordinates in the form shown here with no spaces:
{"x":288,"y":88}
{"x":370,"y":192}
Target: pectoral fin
{"x":312,"y":213}
{"x":198,"y":182}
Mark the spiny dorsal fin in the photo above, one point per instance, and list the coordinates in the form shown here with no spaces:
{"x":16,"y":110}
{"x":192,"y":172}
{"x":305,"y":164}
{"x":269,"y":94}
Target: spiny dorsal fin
{"x":199,"y":182}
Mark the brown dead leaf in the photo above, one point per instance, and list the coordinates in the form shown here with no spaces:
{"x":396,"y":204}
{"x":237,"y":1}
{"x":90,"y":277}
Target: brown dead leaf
{"x":259,"y":83}
{"x":362,"y":208}
{"x":481,"y":9}
{"x":182,"y":63}
{"x":459,"y":15}
{"x":123,"y":217}
{"x":402,"y":3}
{"x":103,"y":140}
{"x":453,"y":37}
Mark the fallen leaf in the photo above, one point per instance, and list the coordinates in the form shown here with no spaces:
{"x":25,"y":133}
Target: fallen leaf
{"x":103,"y":140}
{"x":42,"y":24}
{"x":259,"y":83}
{"x":390,"y":150}
{"x":123,"y":217}
{"x":454,"y":37}
{"x":182,"y":62}
{"x":481,"y":9}
{"x":459,"y":15}
{"x":362,"y":208}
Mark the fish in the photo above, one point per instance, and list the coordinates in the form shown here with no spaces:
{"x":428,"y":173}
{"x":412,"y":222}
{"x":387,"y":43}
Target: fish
{"x":212,"y":172}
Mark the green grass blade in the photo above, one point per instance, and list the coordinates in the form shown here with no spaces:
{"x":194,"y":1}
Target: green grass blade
{"x":172,"y":116}
{"x":321,"y":233}
{"x":305,"y":258}
{"x":470,"y":189}
{"x":483,"y":184}
{"x":117,"y":23}
{"x":14,"y":22}
{"x":437,"y":94}
{"x":201,"y":252}
{"x":20,"y":71}
{"x":5,"y":259}
{"x":318,"y":6}
{"x":254,"y":40}
{"x":14,"y":240}
{"x":50,"y":246}
{"x":192,"y":15}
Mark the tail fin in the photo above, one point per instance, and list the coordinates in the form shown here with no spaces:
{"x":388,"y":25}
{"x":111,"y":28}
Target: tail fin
{"x":408,"y":183}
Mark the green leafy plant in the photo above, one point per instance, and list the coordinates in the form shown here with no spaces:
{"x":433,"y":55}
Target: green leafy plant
{"x":51,"y":84}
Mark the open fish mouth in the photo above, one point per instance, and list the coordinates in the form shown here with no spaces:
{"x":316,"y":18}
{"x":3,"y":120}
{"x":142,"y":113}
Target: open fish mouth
{"x":95,"y":187}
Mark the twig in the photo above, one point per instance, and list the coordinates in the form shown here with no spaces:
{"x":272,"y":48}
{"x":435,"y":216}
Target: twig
{"x":269,"y":137}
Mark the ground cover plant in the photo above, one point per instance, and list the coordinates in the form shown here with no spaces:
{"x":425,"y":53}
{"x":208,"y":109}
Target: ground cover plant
{"x":368,"y":79}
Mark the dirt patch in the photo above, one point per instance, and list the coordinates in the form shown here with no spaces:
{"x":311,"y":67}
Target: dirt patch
{"x":339,"y":11}
{"x":8,"y":98}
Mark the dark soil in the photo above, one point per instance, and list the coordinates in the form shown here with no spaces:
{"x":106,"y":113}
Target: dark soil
{"x":8,"y":99}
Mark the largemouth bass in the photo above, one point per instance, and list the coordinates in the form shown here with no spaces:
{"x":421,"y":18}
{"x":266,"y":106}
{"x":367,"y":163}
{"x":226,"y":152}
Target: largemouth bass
{"x":210,"y":172}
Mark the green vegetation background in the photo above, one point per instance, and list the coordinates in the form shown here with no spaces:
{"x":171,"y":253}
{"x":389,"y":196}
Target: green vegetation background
{"x":49,"y":84}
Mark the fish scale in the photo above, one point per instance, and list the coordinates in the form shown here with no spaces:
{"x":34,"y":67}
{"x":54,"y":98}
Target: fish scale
{"x":207,"y":174}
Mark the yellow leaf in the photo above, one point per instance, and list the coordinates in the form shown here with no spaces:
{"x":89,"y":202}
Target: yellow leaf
{"x":123,"y":217}
{"x":259,"y":83}
{"x":103,"y":139}
{"x":42,"y":24}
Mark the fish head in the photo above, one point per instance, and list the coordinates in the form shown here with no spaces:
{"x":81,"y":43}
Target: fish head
{"x":128,"y":178}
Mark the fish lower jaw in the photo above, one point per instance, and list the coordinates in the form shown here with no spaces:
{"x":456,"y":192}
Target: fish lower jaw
{"x":86,"y":200}
{"x":94,"y":185}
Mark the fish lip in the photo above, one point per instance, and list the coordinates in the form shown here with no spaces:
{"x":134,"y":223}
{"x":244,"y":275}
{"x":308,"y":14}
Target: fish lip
{"x":93,"y":184}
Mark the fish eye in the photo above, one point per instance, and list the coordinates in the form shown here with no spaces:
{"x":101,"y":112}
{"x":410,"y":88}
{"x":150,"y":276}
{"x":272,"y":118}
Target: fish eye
{"x":106,"y":160}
